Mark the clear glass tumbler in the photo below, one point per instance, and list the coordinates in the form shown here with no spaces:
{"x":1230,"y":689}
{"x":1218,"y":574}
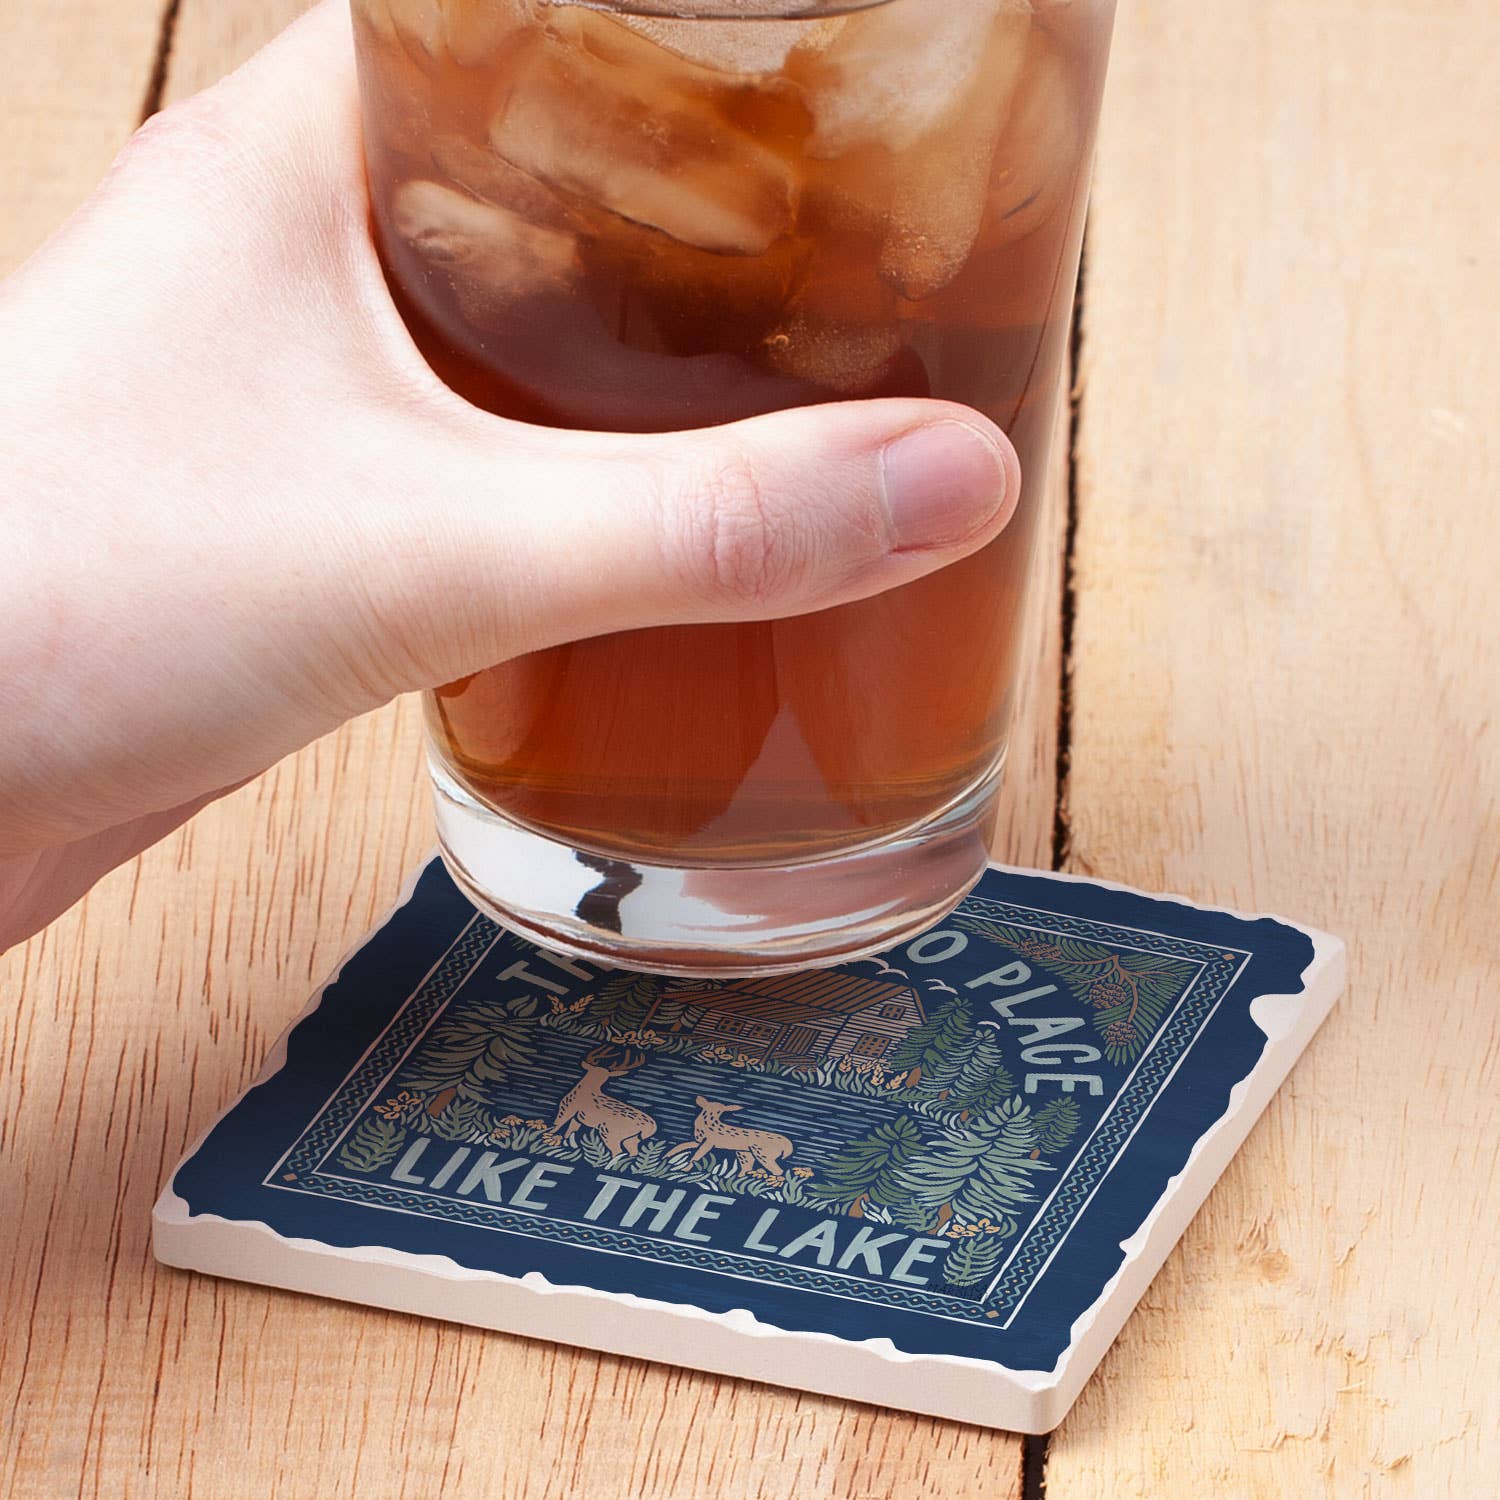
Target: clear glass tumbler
{"x":673,"y":213}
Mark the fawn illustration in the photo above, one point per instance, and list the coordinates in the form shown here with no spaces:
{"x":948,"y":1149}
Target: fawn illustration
{"x":710,"y":1133}
{"x":621,"y":1126}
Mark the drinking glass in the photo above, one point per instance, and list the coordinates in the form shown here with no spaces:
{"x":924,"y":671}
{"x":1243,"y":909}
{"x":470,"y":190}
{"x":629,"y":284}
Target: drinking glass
{"x":648,"y":216}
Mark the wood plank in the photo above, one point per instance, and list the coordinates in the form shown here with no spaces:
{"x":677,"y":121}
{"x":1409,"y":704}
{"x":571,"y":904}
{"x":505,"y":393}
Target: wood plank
{"x":213,"y":38}
{"x":1284,"y":699}
{"x":73,"y":77}
{"x":140,"y":1013}
{"x":131,"y":1020}
{"x":134,"y":1017}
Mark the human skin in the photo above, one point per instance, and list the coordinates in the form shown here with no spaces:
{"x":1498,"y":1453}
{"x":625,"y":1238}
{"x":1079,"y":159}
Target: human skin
{"x":238,"y":508}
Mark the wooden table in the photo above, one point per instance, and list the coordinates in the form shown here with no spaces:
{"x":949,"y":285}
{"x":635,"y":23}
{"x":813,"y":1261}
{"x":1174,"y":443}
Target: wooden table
{"x":1268,"y":676}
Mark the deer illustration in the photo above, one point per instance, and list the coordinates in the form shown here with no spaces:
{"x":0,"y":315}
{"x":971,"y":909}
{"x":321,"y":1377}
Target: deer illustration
{"x":710,"y":1133}
{"x":621,"y":1126}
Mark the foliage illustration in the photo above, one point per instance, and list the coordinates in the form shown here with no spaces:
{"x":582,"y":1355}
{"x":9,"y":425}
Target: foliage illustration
{"x":1056,"y":1123}
{"x":470,"y":1051}
{"x":938,"y":1139}
{"x":871,"y":1170}
{"x":376,"y":1143}
{"x":932,"y":1053}
{"x":973,"y":1258}
{"x":1127,"y":993}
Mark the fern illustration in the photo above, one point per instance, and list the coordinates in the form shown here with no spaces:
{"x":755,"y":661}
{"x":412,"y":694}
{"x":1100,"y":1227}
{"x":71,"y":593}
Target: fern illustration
{"x":465,"y":1120}
{"x":375,"y":1144}
{"x":973,"y":1259}
{"x":596,"y":1153}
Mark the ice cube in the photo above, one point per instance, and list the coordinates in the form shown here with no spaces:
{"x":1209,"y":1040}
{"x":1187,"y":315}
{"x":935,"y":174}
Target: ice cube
{"x":480,"y":173}
{"x":694,"y":302}
{"x":634,"y":43}
{"x":418,"y":22}
{"x":470,"y":31}
{"x":655,"y":155}
{"x":492,"y":253}
{"x":843,"y":359}
{"x":1036,"y":159}
{"x":762,"y":105}
{"x":941,"y":179}
{"x":738,"y":46}
{"x":474,"y":30}
{"x":892,"y":73}
{"x":849,"y":196}
{"x":840,"y":329}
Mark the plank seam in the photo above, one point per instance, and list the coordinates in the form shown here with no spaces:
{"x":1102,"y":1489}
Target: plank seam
{"x":1062,"y":824}
{"x":1034,"y":1467}
{"x":156,"y":85}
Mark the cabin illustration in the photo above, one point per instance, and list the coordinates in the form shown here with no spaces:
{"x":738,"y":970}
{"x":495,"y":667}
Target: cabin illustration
{"x":809,"y":1017}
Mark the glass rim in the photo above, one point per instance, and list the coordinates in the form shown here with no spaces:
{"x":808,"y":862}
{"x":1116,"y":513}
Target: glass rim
{"x":728,"y":10}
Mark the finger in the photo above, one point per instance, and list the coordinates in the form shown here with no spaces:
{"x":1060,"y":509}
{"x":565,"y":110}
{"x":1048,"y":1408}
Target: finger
{"x":37,"y":888}
{"x":513,"y":538}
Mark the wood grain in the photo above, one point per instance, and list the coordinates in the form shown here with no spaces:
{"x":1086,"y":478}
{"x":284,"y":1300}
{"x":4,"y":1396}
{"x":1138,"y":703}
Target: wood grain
{"x":1286,"y":668}
{"x":73,"y":79}
{"x":138,"y":1015}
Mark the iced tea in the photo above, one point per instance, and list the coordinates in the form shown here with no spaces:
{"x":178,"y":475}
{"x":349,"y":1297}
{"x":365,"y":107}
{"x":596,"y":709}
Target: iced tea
{"x":608,"y":219}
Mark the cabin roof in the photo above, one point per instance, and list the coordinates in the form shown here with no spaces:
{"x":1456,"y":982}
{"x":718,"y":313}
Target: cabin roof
{"x":797,"y":999}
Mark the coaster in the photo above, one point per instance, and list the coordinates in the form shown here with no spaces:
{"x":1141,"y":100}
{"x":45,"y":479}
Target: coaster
{"x":939,"y":1179}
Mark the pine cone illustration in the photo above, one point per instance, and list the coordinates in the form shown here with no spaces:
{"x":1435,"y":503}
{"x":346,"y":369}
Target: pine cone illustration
{"x":1106,"y":992}
{"x":1119,"y":1033}
{"x":1043,"y":951}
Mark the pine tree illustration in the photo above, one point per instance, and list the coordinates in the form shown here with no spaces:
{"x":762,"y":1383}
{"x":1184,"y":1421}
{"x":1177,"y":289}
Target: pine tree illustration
{"x":978,"y":1168}
{"x":972,"y":1259}
{"x":1056,"y":1121}
{"x":934,"y":1053}
{"x":870,"y":1169}
{"x":982,"y":1082}
{"x":671,"y":1003}
{"x":1004,"y":1174}
{"x":622,"y":1001}
{"x":471,"y":1051}
{"x":375,"y":1143}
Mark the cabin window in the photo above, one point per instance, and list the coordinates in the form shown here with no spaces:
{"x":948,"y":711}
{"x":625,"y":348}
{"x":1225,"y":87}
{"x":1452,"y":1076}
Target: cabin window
{"x":733,"y":1026}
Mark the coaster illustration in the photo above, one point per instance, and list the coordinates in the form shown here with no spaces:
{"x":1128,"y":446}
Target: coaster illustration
{"x":938,"y":1179}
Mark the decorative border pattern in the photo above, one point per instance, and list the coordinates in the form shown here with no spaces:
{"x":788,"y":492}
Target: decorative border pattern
{"x":301,"y":1169}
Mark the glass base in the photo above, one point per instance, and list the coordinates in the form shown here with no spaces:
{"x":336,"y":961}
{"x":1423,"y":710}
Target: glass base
{"x":761,"y":919}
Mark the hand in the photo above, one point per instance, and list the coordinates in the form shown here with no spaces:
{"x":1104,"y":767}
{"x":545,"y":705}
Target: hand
{"x":239,"y":508}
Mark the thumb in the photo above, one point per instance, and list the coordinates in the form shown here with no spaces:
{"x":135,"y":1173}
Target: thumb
{"x":536,"y":536}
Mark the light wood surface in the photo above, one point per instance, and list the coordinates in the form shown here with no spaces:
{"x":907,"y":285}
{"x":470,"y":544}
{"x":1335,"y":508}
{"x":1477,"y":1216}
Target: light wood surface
{"x":1284,"y":677}
{"x":73,"y":81}
{"x":138,"y":1015}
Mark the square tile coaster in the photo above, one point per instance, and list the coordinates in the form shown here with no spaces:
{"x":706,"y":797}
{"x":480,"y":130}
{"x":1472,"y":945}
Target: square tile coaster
{"x":939,"y":1179}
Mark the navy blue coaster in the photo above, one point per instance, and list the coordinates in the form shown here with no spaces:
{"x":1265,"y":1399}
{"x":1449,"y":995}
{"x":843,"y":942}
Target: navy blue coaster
{"x":938,"y":1178}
